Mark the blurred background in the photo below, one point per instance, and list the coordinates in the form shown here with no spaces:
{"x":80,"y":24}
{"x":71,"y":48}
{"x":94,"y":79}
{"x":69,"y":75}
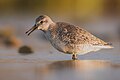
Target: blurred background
{"x":100,"y":17}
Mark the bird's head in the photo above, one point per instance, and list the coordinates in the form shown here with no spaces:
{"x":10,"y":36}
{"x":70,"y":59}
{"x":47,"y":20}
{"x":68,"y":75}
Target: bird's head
{"x":41,"y":23}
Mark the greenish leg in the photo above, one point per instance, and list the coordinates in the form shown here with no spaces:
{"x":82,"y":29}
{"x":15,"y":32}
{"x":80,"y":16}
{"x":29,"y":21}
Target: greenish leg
{"x":74,"y":56}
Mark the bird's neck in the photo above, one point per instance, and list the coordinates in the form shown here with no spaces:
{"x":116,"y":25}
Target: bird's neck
{"x":50,"y":26}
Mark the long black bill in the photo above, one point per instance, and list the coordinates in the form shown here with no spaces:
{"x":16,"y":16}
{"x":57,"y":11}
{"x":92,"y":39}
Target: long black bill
{"x":31,"y":30}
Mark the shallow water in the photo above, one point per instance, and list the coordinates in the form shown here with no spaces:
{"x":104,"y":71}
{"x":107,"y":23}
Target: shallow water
{"x":49,"y":64}
{"x":59,"y":70}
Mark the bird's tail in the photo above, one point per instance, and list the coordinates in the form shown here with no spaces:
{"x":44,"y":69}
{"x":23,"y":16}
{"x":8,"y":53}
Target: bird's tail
{"x":108,"y":46}
{"x":104,"y":45}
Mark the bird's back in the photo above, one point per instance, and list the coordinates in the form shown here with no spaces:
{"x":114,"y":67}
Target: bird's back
{"x":76,"y":35}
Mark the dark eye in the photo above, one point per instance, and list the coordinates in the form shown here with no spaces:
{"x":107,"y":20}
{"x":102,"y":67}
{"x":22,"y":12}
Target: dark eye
{"x":41,"y":22}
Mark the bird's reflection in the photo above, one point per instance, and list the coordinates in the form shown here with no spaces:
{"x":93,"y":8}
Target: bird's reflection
{"x":77,"y":69}
{"x":77,"y":65}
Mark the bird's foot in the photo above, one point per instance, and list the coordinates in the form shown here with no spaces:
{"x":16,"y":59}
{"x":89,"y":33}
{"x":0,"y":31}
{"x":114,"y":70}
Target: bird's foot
{"x":74,"y":57}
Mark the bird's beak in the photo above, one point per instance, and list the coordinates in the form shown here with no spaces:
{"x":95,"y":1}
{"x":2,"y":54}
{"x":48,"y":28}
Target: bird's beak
{"x":31,"y":30}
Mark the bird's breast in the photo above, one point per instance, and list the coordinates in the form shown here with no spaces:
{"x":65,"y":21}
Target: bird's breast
{"x":54,"y":40}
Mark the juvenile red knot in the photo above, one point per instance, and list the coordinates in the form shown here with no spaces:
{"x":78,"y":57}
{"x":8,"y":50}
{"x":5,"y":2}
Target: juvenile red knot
{"x":68,"y":38}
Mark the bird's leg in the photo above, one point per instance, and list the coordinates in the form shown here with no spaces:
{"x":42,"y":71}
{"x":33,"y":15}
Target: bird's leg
{"x":74,"y":56}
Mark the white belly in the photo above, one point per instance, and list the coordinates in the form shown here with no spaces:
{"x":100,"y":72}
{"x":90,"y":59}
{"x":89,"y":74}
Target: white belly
{"x":76,"y":49}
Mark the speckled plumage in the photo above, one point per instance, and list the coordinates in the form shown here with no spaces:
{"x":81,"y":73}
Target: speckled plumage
{"x":69,"y":38}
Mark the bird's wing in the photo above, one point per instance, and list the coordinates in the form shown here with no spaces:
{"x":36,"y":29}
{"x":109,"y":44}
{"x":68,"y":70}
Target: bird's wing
{"x":71,"y":34}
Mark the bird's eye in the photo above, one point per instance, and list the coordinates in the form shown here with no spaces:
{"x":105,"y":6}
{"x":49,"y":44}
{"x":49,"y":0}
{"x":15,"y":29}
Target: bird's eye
{"x":41,"y":22}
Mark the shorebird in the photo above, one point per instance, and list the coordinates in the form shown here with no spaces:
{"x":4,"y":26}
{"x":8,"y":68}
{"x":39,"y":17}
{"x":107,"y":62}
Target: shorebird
{"x":68,"y":38}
